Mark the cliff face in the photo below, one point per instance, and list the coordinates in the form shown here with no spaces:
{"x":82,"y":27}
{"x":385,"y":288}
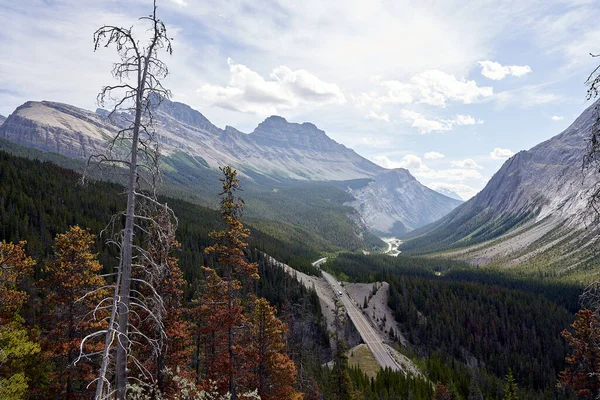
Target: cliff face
{"x":395,"y":202}
{"x":58,"y":128}
{"x":279,"y":150}
{"x":535,"y":204}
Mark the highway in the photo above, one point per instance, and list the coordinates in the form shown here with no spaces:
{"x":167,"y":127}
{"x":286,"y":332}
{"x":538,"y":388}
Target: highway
{"x":319,"y":262}
{"x":367,"y":333}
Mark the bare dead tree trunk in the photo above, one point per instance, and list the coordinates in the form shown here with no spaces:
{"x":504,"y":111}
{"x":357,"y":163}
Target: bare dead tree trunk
{"x":136,"y":99}
{"x":126,"y":256}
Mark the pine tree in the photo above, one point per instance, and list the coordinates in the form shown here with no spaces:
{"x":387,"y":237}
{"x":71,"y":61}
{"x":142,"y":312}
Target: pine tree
{"x":510,"y":389}
{"x":18,"y":350}
{"x":72,"y":288}
{"x":271,"y":371}
{"x":215,"y":317}
{"x":583,"y":364}
{"x":474,"y":391}
{"x":236,"y":271}
{"x":442,"y":392}
{"x":341,"y":384}
{"x":175,"y":344}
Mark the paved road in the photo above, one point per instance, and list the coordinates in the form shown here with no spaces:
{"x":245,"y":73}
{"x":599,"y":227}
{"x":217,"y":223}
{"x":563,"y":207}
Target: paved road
{"x":319,"y":262}
{"x":368,"y":334}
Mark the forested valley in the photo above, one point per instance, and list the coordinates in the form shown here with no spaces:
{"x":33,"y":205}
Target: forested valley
{"x":133,"y":266}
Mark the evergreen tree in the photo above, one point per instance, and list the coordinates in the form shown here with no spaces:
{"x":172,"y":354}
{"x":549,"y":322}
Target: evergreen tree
{"x":474,"y":391}
{"x":271,"y":370}
{"x":583,"y":364}
{"x":18,"y":349}
{"x":72,"y":288}
{"x":511,"y":389}
{"x":442,"y":393}
{"x":341,"y":384}
{"x":236,"y":270}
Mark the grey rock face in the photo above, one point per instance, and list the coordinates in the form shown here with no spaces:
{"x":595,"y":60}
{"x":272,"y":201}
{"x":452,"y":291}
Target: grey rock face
{"x":2,"y":119}
{"x":395,"y":202}
{"x":547,"y":178}
{"x":534,"y":209}
{"x":276,"y":149}
{"x":57,"y":128}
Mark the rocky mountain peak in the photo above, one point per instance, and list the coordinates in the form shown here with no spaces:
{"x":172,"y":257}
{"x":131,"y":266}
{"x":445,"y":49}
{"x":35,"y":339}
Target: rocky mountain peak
{"x":182,"y":113}
{"x":397,"y":174}
{"x":277,"y":131}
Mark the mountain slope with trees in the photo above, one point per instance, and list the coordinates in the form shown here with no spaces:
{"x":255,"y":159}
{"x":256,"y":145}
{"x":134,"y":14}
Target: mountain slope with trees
{"x":533,"y":213}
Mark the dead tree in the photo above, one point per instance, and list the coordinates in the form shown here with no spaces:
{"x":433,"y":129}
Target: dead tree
{"x":591,"y":158}
{"x":134,"y":150}
{"x":591,"y":164}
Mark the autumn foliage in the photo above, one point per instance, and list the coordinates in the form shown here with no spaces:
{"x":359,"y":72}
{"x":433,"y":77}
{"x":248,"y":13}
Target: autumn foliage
{"x":239,"y":339}
{"x":18,"y":347}
{"x":583,"y":364}
{"x":72,"y":287}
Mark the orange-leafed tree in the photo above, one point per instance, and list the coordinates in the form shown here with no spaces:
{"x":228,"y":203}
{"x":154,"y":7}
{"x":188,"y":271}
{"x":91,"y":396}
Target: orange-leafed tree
{"x":178,"y":330}
{"x":583,"y":364}
{"x":174,"y":346}
{"x":215,"y":318}
{"x":236,"y":271}
{"x":18,"y":345}
{"x":442,"y":392}
{"x":15,"y":266}
{"x":272,"y":372}
{"x":72,"y":287}
{"x":231,"y":243}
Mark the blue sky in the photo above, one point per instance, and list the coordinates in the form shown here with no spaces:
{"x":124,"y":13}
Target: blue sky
{"x":448,"y":89}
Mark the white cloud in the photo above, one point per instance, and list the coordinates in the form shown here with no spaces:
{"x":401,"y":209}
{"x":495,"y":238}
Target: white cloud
{"x":420,"y":170}
{"x":501,"y":154}
{"x":496,"y":71}
{"x":556,"y":118}
{"x":409,"y":161}
{"x":466,"y":163}
{"x":425,"y":125}
{"x":377,"y":116}
{"x":180,"y":3}
{"x":433,"y":155}
{"x":248,"y":91}
{"x":435,"y":87}
{"x":431,"y":87}
{"x":467,"y":120}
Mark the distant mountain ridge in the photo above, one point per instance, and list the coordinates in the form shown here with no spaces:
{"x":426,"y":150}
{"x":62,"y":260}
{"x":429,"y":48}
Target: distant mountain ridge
{"x":532,"y":212}
{"x":277,"y":150}
{"x":449,"y":193}
{"x":395,"y":202}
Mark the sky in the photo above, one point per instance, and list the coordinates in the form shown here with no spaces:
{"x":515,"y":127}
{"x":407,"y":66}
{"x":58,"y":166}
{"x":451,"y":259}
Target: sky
{"x":448,"y":89}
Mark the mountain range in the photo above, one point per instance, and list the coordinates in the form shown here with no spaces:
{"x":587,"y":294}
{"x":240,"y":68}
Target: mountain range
{"x":274,"y":158}
{"x":533,"y":213}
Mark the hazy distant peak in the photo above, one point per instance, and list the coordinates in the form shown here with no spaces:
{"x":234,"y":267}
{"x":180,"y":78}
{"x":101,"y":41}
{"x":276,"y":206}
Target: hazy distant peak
{"x":448,"y":193}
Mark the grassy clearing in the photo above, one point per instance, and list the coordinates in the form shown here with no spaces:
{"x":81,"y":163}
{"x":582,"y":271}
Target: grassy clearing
{"x":362,"y":356}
